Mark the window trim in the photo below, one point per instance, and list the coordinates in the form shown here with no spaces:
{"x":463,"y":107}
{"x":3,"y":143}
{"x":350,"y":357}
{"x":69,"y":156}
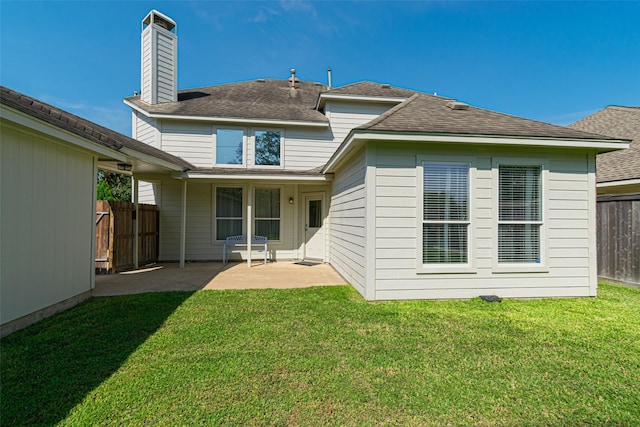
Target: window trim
{"x":543,"y":265}
{"x":254,"y":210}
{"x":244,"y":147}
{"x":214,"y":227}
{"x":253,"y":147}
{"x":469,"y":266}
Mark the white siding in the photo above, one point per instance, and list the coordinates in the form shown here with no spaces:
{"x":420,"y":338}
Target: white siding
{"x":307,"y":148}
{"x":158,"y":65}
{"x":165,"y":62}
{"x":46,"y":222}
{"x":146,"y":130}
{"x":345,"y":116}
{"x":347,"y":231}
{"x":146,"y":66}
{"x":191,"y":141}
{"x":567,"y":207}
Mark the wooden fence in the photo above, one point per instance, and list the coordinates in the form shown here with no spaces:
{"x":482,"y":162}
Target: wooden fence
{"x":619,"y":238}
{"x":114,"y":235}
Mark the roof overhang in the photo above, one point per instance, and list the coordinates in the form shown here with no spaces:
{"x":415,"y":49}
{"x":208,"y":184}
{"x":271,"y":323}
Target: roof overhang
{"x":257,"y":177}
{"x":358,"y":138}
{"x":233,"y":120}
{"x":619,"y":187}
{"x":324,"y":97}
{"x":35,"y":124}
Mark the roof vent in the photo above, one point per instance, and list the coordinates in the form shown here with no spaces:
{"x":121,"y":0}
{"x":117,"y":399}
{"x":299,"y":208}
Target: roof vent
{"x":293,"y":79}
{"x":260,"y":80}
{"x":457,"y":105}
{"x":385,"y":86}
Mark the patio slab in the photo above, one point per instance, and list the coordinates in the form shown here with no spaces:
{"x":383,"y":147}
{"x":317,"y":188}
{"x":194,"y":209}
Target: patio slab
{"x":215,"y":275}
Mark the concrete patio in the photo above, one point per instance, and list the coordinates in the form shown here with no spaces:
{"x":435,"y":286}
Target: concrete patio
{"x":215,"y":275}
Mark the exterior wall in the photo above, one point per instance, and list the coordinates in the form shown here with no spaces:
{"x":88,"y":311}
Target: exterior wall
{"x":568,"y":249}
{"x":201,"y":244}
{"x":145,"y":130}
{"x":191,"y":141}
{"x":47,"y":220}
{"x":348,"y":219}
{"x":159,"y":65}
{"x":345,"y":116}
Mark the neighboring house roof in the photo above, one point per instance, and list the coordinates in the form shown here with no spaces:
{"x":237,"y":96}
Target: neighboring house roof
{"x":262,"y":99}
{"x":82,"y":127}
{"x":424,"y":113}
{"x":617,"y":122}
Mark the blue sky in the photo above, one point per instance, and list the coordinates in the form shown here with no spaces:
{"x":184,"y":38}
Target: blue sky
{"x":550,"y":61}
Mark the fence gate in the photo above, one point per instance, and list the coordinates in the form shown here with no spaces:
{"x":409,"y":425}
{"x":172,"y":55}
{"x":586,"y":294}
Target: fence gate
{"x":114,"y":235}
{"x":619,"y":238}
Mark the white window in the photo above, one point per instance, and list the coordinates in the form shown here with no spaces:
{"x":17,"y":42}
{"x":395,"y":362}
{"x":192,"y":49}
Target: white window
{"x":445,"y":213}
{"x":229,"y":147}
{"x":267,"y":213}
{"x":268,"y":148}
{"x":519,"y":214}
{"x":228,"y":212}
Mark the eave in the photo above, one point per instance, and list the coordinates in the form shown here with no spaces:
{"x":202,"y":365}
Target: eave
{"x":257,"y":177}
{"x":35,"y":124}
{"x":356,"y":139}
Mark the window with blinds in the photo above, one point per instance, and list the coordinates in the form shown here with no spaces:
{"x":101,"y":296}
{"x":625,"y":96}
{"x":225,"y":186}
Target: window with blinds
{"x":267,"y":213}
{"x":228,"y":212}
{"x":519,"y":213}
{"x":445,"y":226}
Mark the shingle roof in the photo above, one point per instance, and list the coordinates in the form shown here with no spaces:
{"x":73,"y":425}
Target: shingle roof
{"x":82,"y":127}
{"x":366,"y":88}
{"x":431,"y":114}
{"x":617,"y":122}
{"x":264,"y":99}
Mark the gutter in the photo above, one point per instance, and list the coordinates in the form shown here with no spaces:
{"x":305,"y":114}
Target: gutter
{"x":357,"y":137}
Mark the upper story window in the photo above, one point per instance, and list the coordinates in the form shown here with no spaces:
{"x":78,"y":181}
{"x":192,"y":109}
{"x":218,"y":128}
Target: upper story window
{"x":268,"y":148}
{"x":229,"y":147}
{"x":519,"y":213}
{"x":446,"y":218}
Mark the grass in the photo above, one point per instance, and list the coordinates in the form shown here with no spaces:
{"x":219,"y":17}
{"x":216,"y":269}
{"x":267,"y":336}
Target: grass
{"x":323,"y":356}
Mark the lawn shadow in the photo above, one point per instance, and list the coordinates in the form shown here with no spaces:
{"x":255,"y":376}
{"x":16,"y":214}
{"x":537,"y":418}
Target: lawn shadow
{"x":49,"y":368}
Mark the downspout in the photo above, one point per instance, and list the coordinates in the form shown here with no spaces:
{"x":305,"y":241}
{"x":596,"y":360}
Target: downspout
{"x":249,"y":224}
{"x":183,"y":224}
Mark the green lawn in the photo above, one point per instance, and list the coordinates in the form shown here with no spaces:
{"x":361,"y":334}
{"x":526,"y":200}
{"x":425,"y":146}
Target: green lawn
{"x":323,"y":356}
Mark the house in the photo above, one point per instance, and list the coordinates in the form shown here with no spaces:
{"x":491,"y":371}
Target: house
{"x":406,"y":194}
{"x":617,"y":172}
{"x":48,"y":168}
{"x":618,"y":188}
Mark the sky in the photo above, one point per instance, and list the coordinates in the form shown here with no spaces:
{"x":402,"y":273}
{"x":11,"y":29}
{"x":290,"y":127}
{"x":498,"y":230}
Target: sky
{"x":550,"y":61}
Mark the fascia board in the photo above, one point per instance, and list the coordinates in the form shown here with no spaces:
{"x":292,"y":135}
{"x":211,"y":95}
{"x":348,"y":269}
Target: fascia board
{"x":618,"y":183}
{"x":267,"y":122}
{"x":354,"y":137}
{"x":33,"y":123}
{"x":202,"y":175}
{"x":150,"y":159}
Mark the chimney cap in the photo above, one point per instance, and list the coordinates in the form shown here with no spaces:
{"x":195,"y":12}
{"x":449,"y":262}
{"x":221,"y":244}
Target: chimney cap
{"x":160,"y":19}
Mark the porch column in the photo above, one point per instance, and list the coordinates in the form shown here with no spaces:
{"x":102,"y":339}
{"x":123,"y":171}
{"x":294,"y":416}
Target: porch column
{"x":183,"y":223}
{"x":136,"y":229}
{"x":249,"y":223}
